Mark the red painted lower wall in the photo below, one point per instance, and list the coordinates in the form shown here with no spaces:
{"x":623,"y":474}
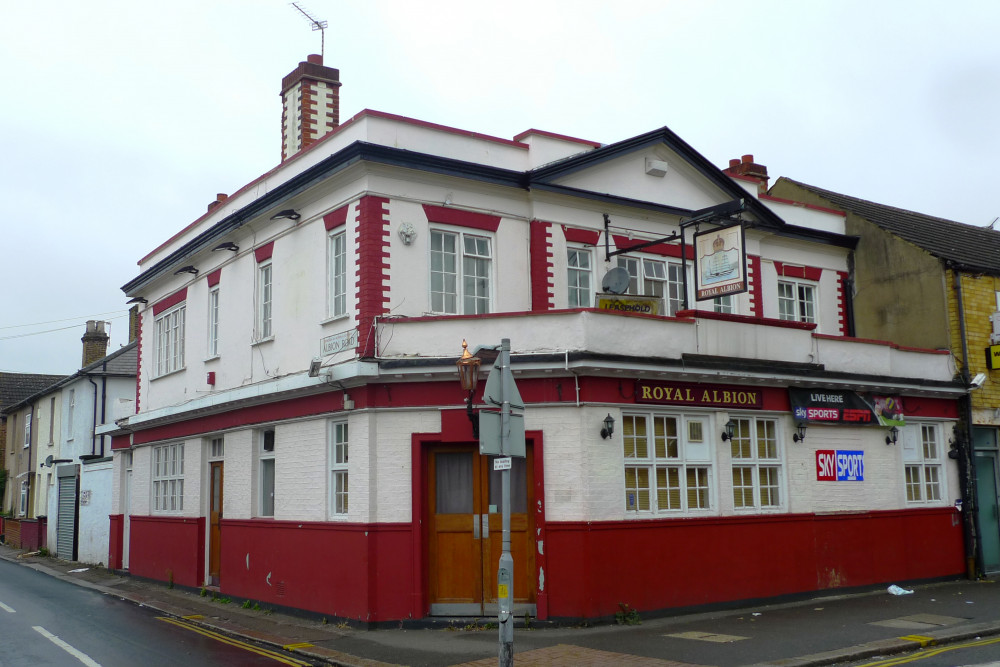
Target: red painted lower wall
{"x":116,"y":534}
{"x":357,"y":571}
{"x":170,"y":549}
{"x":687,"y":562}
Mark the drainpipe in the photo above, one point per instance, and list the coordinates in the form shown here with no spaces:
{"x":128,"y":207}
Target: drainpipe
{"x":93,"y":429}
{"x":966,"y":459}
{"x":104,"y":401}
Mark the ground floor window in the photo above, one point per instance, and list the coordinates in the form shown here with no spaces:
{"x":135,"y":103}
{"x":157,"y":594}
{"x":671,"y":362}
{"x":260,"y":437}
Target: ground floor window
{"x":168,"y":478}
{"x":923,"y":468}
{"x":668,"y":467}
{"x":23,"y":506}
{"x":338,"y":468}
{"x":756,"y":463}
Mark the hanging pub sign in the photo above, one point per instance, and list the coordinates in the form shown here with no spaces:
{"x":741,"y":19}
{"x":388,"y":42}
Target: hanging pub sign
{"x":720,"y":261}
{"x":834,"y":406}
{"x":704,"y":395}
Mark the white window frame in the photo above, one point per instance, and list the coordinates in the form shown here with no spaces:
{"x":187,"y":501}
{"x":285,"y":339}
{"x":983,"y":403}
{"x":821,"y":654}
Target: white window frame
{"x":265,"y":461}
{"x":168,"y":478}
{"x":22,"y":509}
{"x":725,"y":304}
{"x":27,"y":427}
{"x":450,"y":283}
{"x":265,"y":301}
{"x":924,"y":481}
{"x":795,"y":308}
{"x":757,"y":464}
{"x":338,"y":439}
{"x":664,"y":474}
{"x":52,"y":420}
{"x":579,"y":277}
{"x":213,"y":322}
{"x":168,"y":340}
{"x":657,"y":276}
{"x":336,"y":248}
{"x":216,"y":448}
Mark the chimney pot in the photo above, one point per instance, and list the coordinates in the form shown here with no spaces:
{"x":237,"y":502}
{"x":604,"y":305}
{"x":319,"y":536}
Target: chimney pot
{"x":748,"y":159}
{"x":95,"y":342}
{"x":735,"y":162}
{"x":315,"y":59}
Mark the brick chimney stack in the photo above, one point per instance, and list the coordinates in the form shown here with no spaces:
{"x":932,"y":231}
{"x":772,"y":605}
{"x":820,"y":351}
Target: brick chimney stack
{"x":748,"y":168}
{"x":95,"y":343}
{"x":310,"y":99}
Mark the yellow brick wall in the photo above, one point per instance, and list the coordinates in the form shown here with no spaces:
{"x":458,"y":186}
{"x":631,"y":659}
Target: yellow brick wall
{"x":979,"y":298}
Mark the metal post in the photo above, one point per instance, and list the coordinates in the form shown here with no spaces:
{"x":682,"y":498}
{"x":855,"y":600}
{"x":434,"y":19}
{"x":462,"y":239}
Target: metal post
{"x":505,"y":571}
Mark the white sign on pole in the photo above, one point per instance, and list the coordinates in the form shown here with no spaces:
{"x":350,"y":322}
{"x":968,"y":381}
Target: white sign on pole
{"x":501,"y":463}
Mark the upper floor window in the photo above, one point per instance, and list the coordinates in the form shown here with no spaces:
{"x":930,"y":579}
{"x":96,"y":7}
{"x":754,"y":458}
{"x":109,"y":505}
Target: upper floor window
{"x":168,"y":478}
{"x":70,"y":411}
{"x":656,"y":277}
{"x":337,"y":270}
{"x":213,"y":322}
{"x":579,"y":270}
{"x":756,"y":464}
{"x":724,"y":304}
{"x":264,"y":303}
{"x":668,"y":465}
{"x":922,"y":453}
{"x":461,"y":269}
{"x":337,"y":436}
{"x":52,"y":420}
{"x":797,"y":301}
{"x":169,"y":340}
{"x":27,"y":427}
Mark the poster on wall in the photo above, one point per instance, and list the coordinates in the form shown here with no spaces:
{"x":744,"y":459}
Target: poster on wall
{"x":720,"y":262}
{"x":835,"y":406}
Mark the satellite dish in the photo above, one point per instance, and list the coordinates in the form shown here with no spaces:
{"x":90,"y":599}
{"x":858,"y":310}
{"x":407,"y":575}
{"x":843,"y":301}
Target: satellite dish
{"x":48,"y":461}
{"x":616,"y":280}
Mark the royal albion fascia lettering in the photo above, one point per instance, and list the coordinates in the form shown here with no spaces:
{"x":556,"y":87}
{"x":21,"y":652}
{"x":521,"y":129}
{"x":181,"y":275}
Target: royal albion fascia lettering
{"x":678,"y":394}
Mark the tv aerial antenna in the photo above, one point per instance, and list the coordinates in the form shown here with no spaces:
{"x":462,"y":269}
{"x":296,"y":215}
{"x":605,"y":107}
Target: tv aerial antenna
{"x":316,"y":25}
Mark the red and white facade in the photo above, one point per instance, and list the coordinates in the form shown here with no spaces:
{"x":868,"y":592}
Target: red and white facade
{"x":323,"y":309}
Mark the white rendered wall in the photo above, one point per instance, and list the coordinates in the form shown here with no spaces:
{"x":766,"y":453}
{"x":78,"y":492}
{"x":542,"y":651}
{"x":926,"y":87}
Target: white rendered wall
{"x":94,"y":524}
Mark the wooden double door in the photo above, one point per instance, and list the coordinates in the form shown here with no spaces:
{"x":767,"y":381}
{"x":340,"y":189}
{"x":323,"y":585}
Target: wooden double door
{"x":465,"y":532}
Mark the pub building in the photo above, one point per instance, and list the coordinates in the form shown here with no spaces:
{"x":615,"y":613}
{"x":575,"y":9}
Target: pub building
{"x":699,"y":423}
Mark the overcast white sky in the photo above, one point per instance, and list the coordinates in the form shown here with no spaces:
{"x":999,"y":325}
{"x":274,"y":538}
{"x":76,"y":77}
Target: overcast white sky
{"x":121,"y":120}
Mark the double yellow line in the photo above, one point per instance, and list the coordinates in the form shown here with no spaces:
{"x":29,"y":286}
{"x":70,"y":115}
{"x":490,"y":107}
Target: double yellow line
{"x":274,"y":655}
{"x":930,"y":653}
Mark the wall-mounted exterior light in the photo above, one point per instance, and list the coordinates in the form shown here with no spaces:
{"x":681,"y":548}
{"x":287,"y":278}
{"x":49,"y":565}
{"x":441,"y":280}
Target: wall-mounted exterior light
{"x":468,"y":374}
{"x":186,"y":269}
{"x":608,"y":428}
{"x":800,"y":434}
{"x":730,"y":430}
{"x":289,"y":213}
{"x":893,"y":435}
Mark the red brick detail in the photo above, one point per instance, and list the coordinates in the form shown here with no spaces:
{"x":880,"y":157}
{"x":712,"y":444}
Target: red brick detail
{"x":335,"y":219}
{"x":841,"y":302}
{"x":170,"y":301}
{"x":372,"y":269}
{"x":793,"y":271}
{"x":587,"y":236}
{"x":123,"y":441}
{"x":264,"y":252}
{"x":753,"y":275}
{"x":542,"y":297}
{"x":453,"y":216}
{"x":213,"y":277}
{"x":662,"y":249}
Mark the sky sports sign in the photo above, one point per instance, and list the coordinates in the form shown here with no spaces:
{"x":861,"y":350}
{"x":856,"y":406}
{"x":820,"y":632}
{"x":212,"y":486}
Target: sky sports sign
{"x":840,"y":465}
{"x":832,"y":406}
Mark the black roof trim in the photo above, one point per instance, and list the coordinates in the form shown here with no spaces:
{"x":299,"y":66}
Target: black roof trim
{"x":666,"y":136}
{"x":356,"y":152}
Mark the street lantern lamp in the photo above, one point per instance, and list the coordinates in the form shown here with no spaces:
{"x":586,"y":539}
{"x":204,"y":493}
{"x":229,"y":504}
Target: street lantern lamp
{"x":468,"y":374}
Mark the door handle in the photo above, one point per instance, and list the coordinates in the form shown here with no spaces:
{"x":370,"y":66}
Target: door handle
{"x":475,"y":526}
{"x":486,"y":525}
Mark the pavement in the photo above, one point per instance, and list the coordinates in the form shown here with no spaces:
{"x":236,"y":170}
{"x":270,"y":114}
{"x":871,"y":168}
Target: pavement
{"x":823,"y":629}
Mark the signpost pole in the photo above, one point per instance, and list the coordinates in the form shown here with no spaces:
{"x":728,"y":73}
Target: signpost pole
{"x":505,"y":571}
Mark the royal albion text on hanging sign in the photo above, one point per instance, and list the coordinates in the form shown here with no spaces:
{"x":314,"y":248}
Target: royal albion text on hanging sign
{"x":704,"y":395}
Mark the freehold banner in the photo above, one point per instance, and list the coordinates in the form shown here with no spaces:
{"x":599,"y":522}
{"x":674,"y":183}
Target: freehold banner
{"x":834,"y":406}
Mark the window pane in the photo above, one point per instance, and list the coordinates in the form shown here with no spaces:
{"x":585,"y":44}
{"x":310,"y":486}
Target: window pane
{"x":267,"y":487}
{"x":453,"y":479}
